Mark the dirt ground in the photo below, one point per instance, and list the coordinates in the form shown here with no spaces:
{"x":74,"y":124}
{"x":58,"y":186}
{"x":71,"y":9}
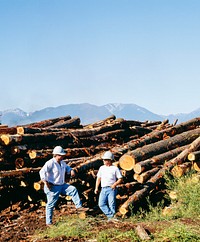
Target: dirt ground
{"x":18,"y":225}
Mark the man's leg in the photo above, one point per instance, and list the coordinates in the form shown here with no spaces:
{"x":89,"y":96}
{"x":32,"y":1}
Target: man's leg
{"x":103,"y":202}
{"x":112,"y":201}
{"x":73,"y":192}
{"x":52,"y":198}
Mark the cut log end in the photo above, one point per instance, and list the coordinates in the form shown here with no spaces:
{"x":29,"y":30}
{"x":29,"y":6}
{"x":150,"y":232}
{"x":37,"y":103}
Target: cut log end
{"x":196,"y":166}
{"x":126,"y":162}
{"x":123,"y":210}
{"x":20,"y":130}
{"x":5,"y":139}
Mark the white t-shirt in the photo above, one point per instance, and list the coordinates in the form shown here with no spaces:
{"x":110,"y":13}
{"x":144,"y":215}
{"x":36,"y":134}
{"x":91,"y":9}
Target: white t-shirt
{"x":108,"y":175}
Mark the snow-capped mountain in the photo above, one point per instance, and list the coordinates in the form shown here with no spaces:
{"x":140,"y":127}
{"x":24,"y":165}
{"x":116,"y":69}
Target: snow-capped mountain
{"x":89,"y":113}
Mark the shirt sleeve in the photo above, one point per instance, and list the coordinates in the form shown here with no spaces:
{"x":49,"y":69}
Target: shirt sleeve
{"x":68,"y":169}
{"x":118,"y":174}
{"x":43,"y":172}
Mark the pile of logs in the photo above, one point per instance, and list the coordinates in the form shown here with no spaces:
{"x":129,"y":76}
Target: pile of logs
{"x":144,"y":152}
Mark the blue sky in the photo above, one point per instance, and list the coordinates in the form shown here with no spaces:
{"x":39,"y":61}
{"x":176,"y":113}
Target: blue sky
{"x":57,"y":52}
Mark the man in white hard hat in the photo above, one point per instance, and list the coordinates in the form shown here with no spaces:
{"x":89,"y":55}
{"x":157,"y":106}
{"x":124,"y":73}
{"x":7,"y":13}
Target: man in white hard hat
{"x":109,"y":176}
{"x":53,"y":175}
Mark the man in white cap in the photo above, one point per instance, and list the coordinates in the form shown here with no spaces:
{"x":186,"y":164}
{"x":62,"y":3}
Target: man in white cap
{"x":53,"y":176}
{"x":109,"y":176}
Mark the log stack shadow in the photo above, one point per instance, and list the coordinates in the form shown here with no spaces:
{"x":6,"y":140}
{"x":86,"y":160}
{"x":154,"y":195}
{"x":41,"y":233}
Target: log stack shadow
{"x":144,"y":152}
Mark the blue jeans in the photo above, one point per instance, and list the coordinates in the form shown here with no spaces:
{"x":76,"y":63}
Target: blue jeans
{"x":107,"y":201}
{"x":53,"y":195}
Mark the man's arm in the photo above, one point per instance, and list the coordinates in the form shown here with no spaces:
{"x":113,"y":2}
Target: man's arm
{"x":98,"y":181}
{"x":113,"y":186}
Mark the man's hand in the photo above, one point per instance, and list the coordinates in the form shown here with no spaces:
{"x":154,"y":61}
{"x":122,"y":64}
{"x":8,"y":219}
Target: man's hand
{"x":113,"y":186}
{"x":96,"y":191}
{"x":73,"y":173}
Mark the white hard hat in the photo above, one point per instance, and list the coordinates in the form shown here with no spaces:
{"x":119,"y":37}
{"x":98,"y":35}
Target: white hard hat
{"x":58,"y":150}
{"x":108,"y":156}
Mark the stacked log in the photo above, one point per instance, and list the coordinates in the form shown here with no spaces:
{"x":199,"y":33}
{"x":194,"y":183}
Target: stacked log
{"x":144,"y":152}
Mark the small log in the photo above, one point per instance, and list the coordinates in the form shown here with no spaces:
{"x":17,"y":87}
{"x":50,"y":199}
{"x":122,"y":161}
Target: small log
{"x":196,"y":165}
{"x":143,"y":177}
{"x":38,"y":185}
{"x":141,"y":232}
{"x":194,"y":156}
{"x":180,"y":170}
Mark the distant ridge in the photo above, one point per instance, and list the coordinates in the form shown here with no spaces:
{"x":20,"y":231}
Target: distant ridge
{"x":89,"y":113}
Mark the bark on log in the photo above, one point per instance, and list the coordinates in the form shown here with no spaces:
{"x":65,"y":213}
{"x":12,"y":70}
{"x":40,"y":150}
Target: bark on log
{"x":8,"y":130}
{"x":141,"y":232}
{"x":158,"y":159}
{"x":48,"y":122}
{"x":18,"y":172}
{"x":71,"y":123}
{"x":34,"y":138}
{"x":143,"y":177}
{"x":156,"y":136}
{"x":162,"y":146}
{"x":101,"y":122}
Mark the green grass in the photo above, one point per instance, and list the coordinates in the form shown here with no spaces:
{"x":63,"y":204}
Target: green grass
{"x":177,"y":232}
{"x":181,"y":225}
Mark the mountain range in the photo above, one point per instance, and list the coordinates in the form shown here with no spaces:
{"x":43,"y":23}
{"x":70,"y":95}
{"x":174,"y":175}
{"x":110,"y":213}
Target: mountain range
{"x":89,"y":113}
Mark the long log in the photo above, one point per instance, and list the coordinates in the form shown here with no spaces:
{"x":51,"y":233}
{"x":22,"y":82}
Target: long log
{"x":71,"y":123}
{"x":34,"y":138}
{"x":13,"y":173}
{"x":156,"y":136}
{"x":47,"y":122}
{"x":158,"y":159}
{"x":162,"y":146}
{"x":8,"y":130}
{"x":101,"y":122}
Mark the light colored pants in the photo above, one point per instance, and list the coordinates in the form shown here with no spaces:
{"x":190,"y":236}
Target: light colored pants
{"x":107,"y":201}
{"x":53,"y":195}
